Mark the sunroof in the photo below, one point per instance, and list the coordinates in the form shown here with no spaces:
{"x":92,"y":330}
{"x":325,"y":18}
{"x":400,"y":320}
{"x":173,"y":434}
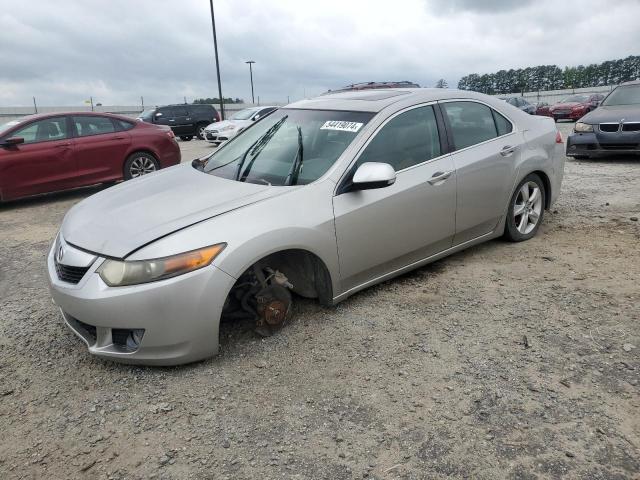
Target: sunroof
{"x":370,"y":95}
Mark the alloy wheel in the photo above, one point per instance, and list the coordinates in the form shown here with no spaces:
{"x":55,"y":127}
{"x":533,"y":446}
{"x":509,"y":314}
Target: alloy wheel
{"x":527,"y":207}
{"x":141,"y":166}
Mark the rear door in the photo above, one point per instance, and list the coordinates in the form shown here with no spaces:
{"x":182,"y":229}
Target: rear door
{"x":101,"y":148}
{"x":382,"y":230}
{"x":486,"y":150}
{"x":45,"y":162}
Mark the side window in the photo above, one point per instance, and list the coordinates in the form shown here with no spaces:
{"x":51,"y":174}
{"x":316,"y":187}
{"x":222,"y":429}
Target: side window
{"x":470,"y":122}
{"x":266,"y":111}
{"x":406,"y":140}
{"x":179,"y":112}
{"x":86,"y":125}
{"x":503,"y":125}
{"x":44,"y":130}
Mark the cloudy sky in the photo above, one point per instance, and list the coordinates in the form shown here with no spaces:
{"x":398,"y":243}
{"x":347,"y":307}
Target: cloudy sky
{"x":64,"y":51}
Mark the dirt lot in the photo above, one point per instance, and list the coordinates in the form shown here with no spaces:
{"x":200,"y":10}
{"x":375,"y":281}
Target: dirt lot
{"x":504,"y":361}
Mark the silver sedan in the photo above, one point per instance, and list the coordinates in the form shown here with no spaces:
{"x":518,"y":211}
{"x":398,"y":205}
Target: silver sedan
{"x":321,"y":199}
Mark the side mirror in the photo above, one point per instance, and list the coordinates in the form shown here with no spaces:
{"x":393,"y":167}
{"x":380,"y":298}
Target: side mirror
{"x":12,"y":141}
{"x":371,"y":175}
{"x":255,"y":117}
{"x":157,"y":115}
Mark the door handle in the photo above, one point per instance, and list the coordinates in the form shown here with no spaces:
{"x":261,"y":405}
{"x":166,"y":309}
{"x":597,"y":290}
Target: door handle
{"x":507,"y":150}
{"x":63,"y":145}
{"x":118,"y":138}
{"x":439,"y":177}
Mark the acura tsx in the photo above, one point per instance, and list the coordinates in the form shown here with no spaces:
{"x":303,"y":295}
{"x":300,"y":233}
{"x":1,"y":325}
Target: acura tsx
{"x":321,"y":199}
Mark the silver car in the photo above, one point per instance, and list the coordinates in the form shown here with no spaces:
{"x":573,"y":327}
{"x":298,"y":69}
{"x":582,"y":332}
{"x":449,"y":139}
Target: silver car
{"x":220,"y":132}
{"x":321,"y":199}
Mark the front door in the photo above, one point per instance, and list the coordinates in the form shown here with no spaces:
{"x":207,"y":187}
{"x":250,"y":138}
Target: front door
{"x":383,"y":230}
{"x":45,"y":162}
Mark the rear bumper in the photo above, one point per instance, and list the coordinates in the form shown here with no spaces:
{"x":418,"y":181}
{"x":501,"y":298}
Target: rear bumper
{"x":601,"y":144}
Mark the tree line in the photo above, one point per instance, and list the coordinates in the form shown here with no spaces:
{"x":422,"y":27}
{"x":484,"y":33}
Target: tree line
{"x":213,"y":101}
{"x":552,"y":77}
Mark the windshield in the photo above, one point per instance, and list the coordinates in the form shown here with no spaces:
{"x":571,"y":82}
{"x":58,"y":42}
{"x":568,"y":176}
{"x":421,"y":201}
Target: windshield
{"x":575,"y":99}
{"x":289,"y":147}
{"x":627,"y":95}
{"x":245,"y":114}
{"x":6,"y":126}
{"x":147,"y":114}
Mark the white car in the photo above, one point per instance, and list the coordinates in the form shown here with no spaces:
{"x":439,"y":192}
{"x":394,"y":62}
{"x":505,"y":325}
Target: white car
{"x":220,"y":132}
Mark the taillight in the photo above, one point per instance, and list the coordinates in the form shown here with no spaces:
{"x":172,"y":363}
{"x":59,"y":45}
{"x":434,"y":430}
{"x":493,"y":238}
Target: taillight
{"x":171,"y":134}
{"x":559,"y":137}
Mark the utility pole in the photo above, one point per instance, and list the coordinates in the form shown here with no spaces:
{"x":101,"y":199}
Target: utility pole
{"x":142,"y":102}
{"x":251,"y":62}
{"x":91,"y":99}
{"x":215,"y":48}
{"x":35,"y":107}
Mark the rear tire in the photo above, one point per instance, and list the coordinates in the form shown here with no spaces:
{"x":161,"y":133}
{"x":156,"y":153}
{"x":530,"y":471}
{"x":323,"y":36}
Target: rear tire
{"x":526,"y":209}
{"x":138,"y":164}
{"x":186,"y":138}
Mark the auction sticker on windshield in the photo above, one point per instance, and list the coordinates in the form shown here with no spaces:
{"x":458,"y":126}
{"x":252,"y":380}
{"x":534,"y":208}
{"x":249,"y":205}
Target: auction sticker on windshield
{"x":341,"y":126}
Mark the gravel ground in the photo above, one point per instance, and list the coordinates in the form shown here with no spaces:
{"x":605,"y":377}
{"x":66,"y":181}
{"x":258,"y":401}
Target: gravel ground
{"x":504,"y":361}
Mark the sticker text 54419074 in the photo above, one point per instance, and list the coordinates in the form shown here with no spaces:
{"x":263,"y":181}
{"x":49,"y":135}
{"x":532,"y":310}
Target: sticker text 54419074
{"x":341,"y":126}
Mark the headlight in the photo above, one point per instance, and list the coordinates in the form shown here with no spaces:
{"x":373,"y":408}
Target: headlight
{"x":117,"y":273}
{"x":583,"y":127}
{"x":228,"y":127}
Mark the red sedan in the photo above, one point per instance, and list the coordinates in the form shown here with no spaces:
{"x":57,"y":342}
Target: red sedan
{"x":57,"y":151}
{"x":575,"y":106}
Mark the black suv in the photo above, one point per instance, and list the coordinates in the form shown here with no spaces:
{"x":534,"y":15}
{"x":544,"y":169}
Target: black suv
{"x":185,"y":120}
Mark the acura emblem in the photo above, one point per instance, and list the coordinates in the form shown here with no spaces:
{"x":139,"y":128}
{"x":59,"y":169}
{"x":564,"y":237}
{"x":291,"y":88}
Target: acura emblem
{"x":60,"y":253}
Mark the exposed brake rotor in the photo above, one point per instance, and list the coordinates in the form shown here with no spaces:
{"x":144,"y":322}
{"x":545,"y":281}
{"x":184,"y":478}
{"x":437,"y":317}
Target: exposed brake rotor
{"x":273,"y":307}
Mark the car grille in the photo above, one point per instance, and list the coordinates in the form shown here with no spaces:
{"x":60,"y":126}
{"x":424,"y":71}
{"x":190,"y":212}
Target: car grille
{"x":619,"y":146}
{"x":562,"y":112}
{"x":70,"y":274}
{"x":631,"y":127}
{"x":609,"y":127}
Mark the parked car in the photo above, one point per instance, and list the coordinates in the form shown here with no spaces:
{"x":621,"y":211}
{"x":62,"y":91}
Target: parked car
{"x":374,"y":86}
{"x":575,"y":106}
{"x":522,"y":104}
{"x":57,"y":151}
{"x":542,"y":108}
{"x":220,"y":132}
{"x":185,"y":120}
{"x":322,"y":198}
{"x":614,"y":128}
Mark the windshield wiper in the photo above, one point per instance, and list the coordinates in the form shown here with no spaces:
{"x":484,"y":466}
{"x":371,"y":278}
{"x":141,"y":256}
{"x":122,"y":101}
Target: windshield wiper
{"x":292,"y":176}
{"x":257,"y":147}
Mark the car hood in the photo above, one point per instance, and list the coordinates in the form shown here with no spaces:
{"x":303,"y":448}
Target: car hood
{"x":123,"y":218}
{"x":614,"y":114}
{"x":565,"y":105}
{"x":224,"y":123}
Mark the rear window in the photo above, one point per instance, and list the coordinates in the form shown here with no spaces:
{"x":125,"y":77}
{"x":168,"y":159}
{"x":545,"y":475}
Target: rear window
{"x":123,"y":124}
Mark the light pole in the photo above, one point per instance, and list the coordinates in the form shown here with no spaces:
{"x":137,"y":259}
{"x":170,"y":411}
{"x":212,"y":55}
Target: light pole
{"x":215,"y":47}
{"x":251,"y":62}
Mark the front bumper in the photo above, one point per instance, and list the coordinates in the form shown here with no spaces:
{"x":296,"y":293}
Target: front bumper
{"x":600,"y":144}
{"x":218,"y":137}
{"x":180,"y":316}
{"x":568,"y":115}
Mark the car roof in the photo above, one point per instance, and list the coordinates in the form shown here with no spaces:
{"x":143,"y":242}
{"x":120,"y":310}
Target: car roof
{"x":41,"y":116}
{"x":632,"y":82}
{"x":376,"y":100}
